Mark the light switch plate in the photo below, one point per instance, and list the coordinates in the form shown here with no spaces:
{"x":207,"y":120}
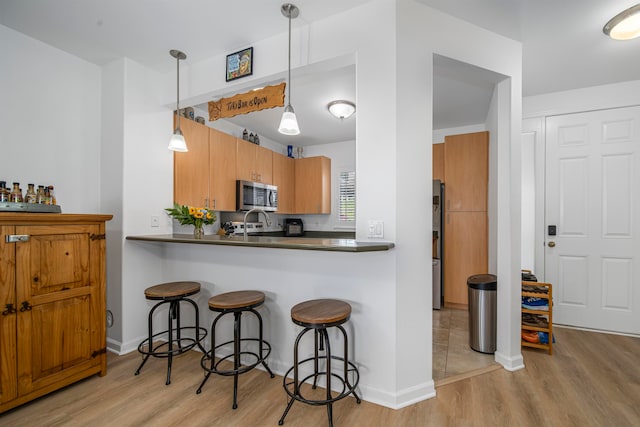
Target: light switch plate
{"x":376,"y":229}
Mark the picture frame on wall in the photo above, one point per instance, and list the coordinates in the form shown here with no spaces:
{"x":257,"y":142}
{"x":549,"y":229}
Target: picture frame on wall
{"x":240,"y":64}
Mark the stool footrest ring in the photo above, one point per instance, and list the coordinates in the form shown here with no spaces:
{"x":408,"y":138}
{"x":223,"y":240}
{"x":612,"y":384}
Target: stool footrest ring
{"x":205,"y":361}
{"x":182,"y":345}
{"x":347,"y":387}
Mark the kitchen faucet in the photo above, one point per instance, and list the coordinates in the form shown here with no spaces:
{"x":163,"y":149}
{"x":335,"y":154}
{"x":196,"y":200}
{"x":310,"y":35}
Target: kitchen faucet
{"x":258,"y":210}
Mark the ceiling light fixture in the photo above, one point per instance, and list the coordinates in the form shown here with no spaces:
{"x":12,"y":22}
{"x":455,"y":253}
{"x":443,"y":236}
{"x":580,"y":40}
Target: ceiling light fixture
{"x":289,"y":123}
{"x":625,"y":25}
{"x":177,"y":142}
{"x":342,"y":109}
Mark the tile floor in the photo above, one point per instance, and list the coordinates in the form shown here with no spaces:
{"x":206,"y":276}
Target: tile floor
{"x":451,"y":352}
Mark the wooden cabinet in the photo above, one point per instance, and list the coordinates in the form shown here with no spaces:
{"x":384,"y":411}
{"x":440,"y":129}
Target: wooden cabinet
{"x":284,"y":178}
{"x":206,"y":174}
{"x":465,"y":254}
{"x":253,"y":162}
{"x":438,"y":161}
{"x":466,"y":172}
{"x":222,"y":171}
{"x":191,"y":169}
{"x":53,"y":302}
{"x":539,"y":319}
{"x":313,"y":185}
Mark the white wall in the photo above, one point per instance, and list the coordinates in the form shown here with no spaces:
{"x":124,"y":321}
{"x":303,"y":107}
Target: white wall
{"x":390,"y":290}
{"x":50,"y":121}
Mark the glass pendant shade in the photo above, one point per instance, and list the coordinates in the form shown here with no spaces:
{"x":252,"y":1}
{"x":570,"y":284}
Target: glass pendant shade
{"x":177,"y":142}
{"x":289,"y":123}
{"x":625,"y":25}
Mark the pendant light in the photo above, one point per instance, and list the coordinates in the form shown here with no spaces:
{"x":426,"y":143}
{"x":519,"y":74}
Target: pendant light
{"x":625,"y":25}
{"x":289,"y":123}
{"x":177,"y":142}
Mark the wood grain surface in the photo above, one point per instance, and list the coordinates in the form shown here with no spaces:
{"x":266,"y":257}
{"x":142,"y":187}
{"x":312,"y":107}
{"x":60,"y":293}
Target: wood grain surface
{"x":591,"y":380}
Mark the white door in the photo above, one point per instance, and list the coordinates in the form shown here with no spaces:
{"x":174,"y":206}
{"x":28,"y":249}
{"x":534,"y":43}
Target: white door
{"x":593,"y":199}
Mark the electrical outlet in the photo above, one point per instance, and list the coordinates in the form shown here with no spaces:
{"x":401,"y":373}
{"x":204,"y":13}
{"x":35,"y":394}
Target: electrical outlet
{"x":155,"y":221}
{"x":376,"y":229}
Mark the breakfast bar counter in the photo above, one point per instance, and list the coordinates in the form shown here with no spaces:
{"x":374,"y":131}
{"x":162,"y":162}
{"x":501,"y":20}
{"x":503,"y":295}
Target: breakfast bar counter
{"x":303,"y":243}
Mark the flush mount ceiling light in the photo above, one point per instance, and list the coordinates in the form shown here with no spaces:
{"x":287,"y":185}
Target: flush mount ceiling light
{"x":177,"y":142}
{"x":342,"y":109}
{"x":289,"y":123}
{"x":625,"y":25}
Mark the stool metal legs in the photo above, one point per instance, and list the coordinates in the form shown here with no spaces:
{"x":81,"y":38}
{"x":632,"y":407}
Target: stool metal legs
{"x":183,"y":344}
{"x":259,"y":357}
{"x":321,"y":342}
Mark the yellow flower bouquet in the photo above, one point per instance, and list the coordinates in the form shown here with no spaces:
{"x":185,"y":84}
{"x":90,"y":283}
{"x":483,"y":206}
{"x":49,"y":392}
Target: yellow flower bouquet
{"x":190,"y":215}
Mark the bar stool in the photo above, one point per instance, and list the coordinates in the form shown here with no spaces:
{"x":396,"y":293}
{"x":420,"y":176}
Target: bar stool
{"x":318,"y":315}
{"x":172,"y":293}
{"x":237,"y":302}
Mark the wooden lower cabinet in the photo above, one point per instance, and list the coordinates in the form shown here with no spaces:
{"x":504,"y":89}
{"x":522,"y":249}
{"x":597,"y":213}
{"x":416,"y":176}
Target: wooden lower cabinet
{"x":465,"y":254}
{"x":53,"y":302}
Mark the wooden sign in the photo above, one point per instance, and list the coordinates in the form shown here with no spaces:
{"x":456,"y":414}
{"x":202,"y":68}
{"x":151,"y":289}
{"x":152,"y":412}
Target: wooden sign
{"x":243,"y":103}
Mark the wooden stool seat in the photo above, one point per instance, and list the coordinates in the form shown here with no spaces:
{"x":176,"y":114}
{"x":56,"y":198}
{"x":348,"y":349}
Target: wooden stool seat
{"x":172,"y":290}
{"x":320,"y":313}
{"x":236,"y":300}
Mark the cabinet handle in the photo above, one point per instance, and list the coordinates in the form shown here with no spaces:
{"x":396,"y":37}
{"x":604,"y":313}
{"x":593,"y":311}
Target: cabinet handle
{"x":25,"y":306}
{"x":9,"y":309}
{"x":206,"y":202}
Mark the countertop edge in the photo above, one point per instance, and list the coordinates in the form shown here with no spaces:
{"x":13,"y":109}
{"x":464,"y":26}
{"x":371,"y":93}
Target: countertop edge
{"x":331,"y":245}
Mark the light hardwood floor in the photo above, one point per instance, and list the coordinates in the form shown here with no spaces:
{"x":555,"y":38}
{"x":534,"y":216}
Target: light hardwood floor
{"x":591,"y":380}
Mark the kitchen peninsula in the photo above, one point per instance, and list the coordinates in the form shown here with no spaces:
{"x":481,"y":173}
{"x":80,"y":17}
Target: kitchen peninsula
{"x":304,"y":243}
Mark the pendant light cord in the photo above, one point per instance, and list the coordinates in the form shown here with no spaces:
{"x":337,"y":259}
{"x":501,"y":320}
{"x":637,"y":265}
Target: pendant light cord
{"x":289,"y":85}
{"x":178,"y":91}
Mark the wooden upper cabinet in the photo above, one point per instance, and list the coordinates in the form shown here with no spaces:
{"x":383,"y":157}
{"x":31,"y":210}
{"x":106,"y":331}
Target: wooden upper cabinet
{"x":313,"y":185}
{"x":191,"y":169}
{"x":438,"y":162}
{"x":466,"y":172}
{"x":222,"y":171}
{"x":283,"y":177}
{"x":254,"y":163}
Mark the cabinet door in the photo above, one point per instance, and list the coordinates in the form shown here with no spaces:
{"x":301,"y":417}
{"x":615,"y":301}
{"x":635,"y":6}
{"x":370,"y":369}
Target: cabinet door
{"x":8,"y":330}
{"x":466,"y":171}
{"x":191,"y":169}
{"x":283,"y":177}
{"x":264,"y":165}
{"x":465,"y":254}
{"x":313,"y":185}
{"x":438,"y":162}
{"x":246,"y":160}
{"x":222,"y":170}
{"x":61,"y":317}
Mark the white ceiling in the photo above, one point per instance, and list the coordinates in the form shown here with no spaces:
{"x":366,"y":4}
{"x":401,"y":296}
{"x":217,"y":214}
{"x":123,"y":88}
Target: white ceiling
{"x":563,"y":47}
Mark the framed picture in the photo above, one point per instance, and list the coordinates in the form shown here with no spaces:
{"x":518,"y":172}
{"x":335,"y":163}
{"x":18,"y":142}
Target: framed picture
{"x":240,"y":64}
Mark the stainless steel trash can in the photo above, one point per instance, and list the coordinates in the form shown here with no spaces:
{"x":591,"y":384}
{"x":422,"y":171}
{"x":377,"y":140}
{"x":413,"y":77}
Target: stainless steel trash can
{"x":482,"y":312}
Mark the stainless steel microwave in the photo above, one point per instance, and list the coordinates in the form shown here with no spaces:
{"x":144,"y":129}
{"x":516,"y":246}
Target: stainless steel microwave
{"x":252,"y":195}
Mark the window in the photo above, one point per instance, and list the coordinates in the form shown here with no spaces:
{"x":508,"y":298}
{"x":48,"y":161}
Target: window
{"x":347,"y":196}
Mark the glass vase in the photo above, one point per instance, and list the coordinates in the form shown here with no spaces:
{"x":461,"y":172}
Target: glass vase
{"x":198,"y":232}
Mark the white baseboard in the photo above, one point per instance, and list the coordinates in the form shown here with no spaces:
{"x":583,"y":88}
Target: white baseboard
{"x":510,"y":363}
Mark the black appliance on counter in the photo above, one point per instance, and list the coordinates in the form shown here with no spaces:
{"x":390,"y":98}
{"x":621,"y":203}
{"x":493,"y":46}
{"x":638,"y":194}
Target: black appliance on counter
{"x":293,"y":227}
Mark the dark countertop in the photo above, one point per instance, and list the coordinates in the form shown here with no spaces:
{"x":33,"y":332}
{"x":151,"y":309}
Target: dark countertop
{"x":323,"y":243}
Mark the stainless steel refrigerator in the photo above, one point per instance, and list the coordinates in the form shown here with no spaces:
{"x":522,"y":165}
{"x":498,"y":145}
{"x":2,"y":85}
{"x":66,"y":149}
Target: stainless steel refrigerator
{"x":438,"y":229}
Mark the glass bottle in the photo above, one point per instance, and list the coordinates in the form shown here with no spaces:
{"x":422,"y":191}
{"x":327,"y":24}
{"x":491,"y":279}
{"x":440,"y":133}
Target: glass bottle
{"x":47,"y":197}
{"x":30,"y":195}
{"x":40,"y":195}
{"x":52,"y":194}
{"x":4,"y":193}
{"x":16,"y":193}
